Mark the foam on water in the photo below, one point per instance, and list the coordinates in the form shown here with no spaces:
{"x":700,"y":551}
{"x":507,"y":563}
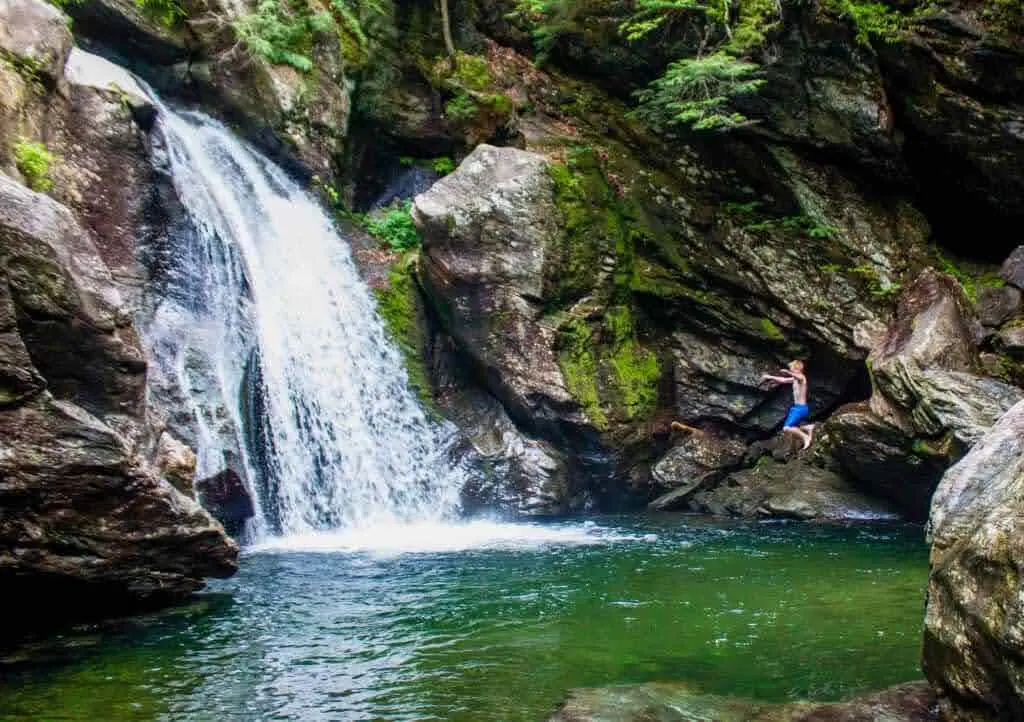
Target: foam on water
{"x":433,"y":537}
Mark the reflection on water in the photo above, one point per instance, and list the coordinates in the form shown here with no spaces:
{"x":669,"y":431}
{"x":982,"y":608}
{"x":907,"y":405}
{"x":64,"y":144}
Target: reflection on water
{"x":491,"y":621}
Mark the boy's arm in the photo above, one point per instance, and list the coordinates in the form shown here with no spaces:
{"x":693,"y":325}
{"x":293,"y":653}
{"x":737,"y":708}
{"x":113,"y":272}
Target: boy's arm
{"x":778,"y":379}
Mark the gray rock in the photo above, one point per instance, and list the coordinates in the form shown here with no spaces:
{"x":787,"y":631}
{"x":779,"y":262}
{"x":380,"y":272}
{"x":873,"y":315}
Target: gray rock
{"x":974,"y":622}
{"x":1012,"y":270}
{"x":995,"y":305}
{"x":72,"y":318}
{"x":87,"y":516}
{"x":84,"y":510}
{"x":928,"y":406}
{"x":1011,"y":337}
{"x":696,"y":461}
{"x":794,"y":490}
{"x":522,"y":475}
{"x":35,"y":34}
{"x":488,"y":229}
{"x":226,"y":497}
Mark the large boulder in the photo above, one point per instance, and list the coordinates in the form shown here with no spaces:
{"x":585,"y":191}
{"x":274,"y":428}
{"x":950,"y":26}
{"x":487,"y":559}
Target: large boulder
{"x":489,"y":230}
{"x":930,"y":402}
{"x":87,"y":507}
{"x":793,"y":490}
{"x":974,"y":623}
{"x":35,"y":36}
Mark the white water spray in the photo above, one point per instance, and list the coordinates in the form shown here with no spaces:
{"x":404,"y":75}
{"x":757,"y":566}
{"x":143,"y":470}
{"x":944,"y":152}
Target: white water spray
{"x":262,"y":267}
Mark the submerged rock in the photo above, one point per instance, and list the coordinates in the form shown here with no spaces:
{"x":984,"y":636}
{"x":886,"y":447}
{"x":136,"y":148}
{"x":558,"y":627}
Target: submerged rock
{"x":664,"y":702}
{"x":974,"y":622}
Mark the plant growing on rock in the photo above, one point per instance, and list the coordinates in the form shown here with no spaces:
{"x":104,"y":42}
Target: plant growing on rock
{"x":286,"y":31}
{"x":396,"y":228}
{"x":33,"y":161}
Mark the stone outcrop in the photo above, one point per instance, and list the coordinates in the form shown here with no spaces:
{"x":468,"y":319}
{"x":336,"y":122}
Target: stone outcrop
{"x":489,"y":230}
{"x":586,"y":334}
{"x":698,"y":461}
{"x":298,"y":117}
{"x":910,"y":702}
{"x":930,"y":402}
{"x":88,"y":504}
{"x":974,"y":623}
{"x":793,"y":490}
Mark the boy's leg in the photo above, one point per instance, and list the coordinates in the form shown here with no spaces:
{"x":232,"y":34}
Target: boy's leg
{"x":800,"y":434}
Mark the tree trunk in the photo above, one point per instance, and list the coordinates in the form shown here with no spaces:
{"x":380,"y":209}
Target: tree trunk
{"x":446,"y":29}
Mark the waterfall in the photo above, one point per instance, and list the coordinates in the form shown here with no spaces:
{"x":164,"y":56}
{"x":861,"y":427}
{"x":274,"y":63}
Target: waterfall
{"x":259,"y":291}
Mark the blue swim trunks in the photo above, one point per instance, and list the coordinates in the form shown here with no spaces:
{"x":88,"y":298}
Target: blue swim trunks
{"x":797,"y":413}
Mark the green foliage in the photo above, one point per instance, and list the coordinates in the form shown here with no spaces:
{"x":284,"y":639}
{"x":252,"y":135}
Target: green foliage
{"x":33,"y":161}
{"x":884,"y":290}
{"x":166,"y":12}
{"x":461,"y":107}
{"x":467,"y":79}
{"x":579,"y":368}
{"x":696,"y":92}
{"x":443,"y":165}
{"x":285,"y":31}
{"x":396,"y":228}
{"x":771,"y":331}
{"x":870,"y":19}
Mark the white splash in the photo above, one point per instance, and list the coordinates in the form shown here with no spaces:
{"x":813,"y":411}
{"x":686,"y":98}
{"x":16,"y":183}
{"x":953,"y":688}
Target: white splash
{"x":430,"y":537}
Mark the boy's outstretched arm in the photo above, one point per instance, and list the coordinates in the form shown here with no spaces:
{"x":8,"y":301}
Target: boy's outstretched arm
{"x":778,"y":379}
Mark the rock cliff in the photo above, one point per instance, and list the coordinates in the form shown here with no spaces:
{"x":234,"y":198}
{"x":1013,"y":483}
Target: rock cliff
{"x":96,"y":497}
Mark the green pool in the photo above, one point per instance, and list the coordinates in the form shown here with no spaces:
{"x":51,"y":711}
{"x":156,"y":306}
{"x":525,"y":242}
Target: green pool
{"x":497,"y":622}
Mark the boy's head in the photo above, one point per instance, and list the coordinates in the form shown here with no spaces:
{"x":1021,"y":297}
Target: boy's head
{"x":796,"y":366}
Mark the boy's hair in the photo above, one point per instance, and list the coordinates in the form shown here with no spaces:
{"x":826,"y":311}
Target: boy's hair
{"x":796,"y":365}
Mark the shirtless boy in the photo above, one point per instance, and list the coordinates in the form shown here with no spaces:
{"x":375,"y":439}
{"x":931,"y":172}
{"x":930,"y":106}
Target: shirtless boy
{"x":794,"y":375}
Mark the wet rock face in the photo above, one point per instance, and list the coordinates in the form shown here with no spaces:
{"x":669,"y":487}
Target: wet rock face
{"x":974,"y":623}
{"x":84,"y":505}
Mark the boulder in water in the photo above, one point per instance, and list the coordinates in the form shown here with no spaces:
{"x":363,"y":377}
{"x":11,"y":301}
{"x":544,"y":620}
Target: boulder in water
{"x":224,"y":495}
{"x":793,"y":490}
{"x":974,"y":622}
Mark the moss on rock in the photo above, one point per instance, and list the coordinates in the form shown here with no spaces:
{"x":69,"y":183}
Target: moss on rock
{"x":398,"y":305}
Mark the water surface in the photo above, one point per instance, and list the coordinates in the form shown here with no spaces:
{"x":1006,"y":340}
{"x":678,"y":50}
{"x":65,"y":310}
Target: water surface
{"x":495,"y":622}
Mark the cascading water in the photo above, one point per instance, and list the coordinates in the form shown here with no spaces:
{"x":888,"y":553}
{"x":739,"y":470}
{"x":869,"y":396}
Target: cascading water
{"x":258,"y":272}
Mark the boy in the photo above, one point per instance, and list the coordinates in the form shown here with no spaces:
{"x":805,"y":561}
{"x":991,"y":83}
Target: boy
{"x":794,"y":375}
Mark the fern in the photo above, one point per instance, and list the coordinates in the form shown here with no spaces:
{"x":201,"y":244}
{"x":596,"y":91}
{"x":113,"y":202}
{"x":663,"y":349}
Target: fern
{"x":696,"y":92}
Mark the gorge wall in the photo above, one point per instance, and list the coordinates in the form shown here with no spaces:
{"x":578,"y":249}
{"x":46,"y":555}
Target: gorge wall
{"x":586,"y":276}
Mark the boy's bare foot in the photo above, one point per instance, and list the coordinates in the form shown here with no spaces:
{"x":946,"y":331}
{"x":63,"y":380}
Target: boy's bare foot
{"x":808,"y":434}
